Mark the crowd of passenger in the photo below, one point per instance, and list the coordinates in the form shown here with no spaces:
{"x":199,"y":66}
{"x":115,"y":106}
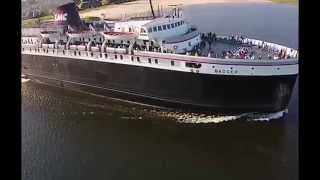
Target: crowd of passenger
{"x":243,"y":48}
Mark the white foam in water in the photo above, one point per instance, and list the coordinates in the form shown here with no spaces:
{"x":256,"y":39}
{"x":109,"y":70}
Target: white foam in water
{"x":23,"y":80}
{"x":195,"y":118}
{"x":210,"y":119}
{"x":267,"y":117}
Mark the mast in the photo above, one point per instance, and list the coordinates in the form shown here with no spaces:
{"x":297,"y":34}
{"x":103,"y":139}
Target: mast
{"x":151,"y":8}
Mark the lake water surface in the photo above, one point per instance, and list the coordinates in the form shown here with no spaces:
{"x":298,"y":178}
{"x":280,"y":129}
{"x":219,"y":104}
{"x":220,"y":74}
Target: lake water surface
{"x":71,"y":135}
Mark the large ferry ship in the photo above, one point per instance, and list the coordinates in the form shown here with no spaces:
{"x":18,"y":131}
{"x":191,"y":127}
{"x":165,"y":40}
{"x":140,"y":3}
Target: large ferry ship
{"x":162,"y":60}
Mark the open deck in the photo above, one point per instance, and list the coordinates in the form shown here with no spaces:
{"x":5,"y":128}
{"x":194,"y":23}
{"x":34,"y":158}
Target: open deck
{"x":240,"y":48}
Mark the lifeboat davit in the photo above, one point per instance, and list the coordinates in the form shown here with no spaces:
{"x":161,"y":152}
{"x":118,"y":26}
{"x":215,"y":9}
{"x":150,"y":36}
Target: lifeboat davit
{"x":120,"y":35}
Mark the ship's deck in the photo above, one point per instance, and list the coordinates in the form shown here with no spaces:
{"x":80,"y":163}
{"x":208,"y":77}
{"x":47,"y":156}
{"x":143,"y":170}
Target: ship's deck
{"x":227,"y":48}
{"x":221,"y":47}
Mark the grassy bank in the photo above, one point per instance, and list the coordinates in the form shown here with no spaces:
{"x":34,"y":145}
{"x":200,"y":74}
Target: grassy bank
{"x":35,"y":22}
{"x":295,"y":2}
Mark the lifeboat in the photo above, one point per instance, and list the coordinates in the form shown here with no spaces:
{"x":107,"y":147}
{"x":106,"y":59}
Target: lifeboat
{"x":120,"y":35}
{"x":83,"y":34}
{"x":49,"y":34}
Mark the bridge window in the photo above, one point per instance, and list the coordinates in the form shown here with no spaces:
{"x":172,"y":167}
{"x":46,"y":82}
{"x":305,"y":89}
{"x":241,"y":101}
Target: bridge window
{"x":172,"y":25}
{"x":142,"y":30}
{"x":159,"y":28}
{"x":164,"y":27}
{"x":193,"y":65}
{"x":175,"y":24}
{"x":155,"y":29}
{"x":168,"y":26}
{"x":179,"y":23}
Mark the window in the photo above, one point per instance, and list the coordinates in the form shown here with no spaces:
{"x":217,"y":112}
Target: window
{"x":131,"y":58}
{"x":164,"y":27}
{"x":156,"y":61}
{"x":168,"y":26}
{"x":172,"y":25}
{"x":175,"y":24}
{"x":121,"y":57}
{"x":159,"y":28}
{"x":189,"y":43}
{"x":149,"y":30}
{"x":179,"y":23}
{"x":149,"y":60}
{"x":142,"y":30}
{"x":155,"y":29}
{"x":193,"y":65}
{"x":115,"y":56}
{"x":101,"y":55}
{"x":182,"y":22}
{"x":172,"y":63}
{"x":138,"y":59}
{"x":106,"y":55}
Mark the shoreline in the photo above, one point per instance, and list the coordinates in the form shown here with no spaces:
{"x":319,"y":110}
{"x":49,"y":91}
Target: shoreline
{"x":142,"y":6}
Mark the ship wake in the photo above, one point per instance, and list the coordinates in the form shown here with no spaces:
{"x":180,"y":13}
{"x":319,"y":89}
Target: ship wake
{"x":24,"y":79}
{"x":210,"y":118}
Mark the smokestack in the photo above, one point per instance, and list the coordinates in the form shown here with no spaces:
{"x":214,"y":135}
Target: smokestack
{"x":68,"y":15}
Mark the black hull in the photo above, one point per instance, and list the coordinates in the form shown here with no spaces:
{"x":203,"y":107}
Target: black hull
{"x":164,"y":87}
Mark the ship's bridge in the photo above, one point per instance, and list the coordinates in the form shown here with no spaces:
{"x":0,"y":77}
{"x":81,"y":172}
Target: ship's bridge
{"x":166,"y":27}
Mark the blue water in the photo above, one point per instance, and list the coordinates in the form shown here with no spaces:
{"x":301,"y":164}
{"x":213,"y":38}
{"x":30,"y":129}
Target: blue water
{"x":70,"y":135}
